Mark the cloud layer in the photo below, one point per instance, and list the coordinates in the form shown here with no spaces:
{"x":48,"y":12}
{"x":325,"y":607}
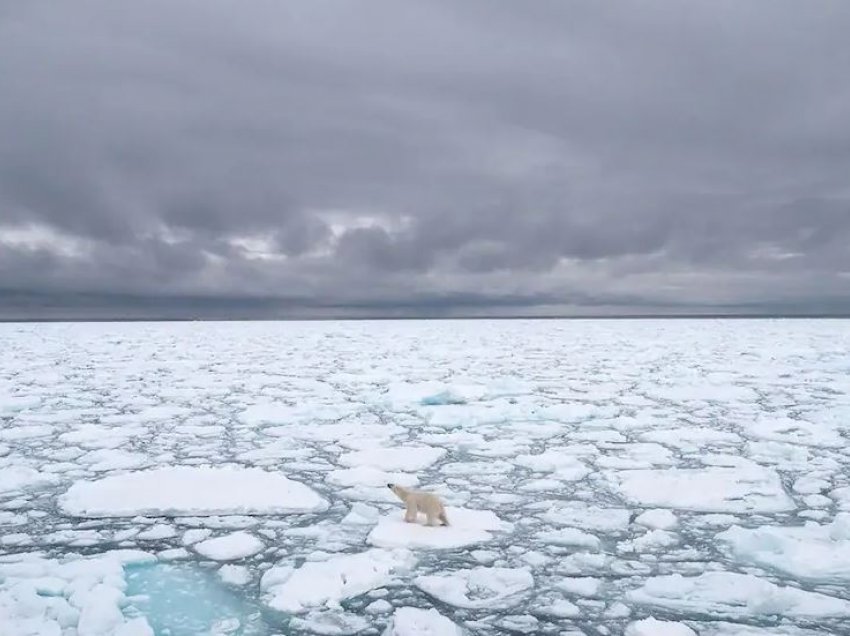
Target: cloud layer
{"x":199,"y":157}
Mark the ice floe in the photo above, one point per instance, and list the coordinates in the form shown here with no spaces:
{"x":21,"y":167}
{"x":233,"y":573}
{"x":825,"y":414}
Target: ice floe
{"x":729,"y":594}
{"x":813,"y":551}
{"x":466,"y":527}
{"x":478,"y":587}
{"x":412,"y":621}
{"x":745,"y":488}
{"x":318,"y":583}
{"x":190,"y":491}
{"x":230,"y":547}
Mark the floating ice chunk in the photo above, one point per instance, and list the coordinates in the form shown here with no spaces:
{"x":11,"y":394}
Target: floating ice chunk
{"x":412,"y":621}
{"x":840,"y":495}
{"x":578,"y":514}
{"x":720,"y":628}
{"x":728,"y":594}
{"x":231,"y":547}
{"x":653,"y":627}
{"x":19,"y":478}
{"x":93,"y":436}
{"x":190,"y":491}
{"x":569,"y":536}
{"x":106,"y":459}
{"x":797,"y":432}
{"x":652,"y":541}
{"x":361,"y":514}
{"x":815,"y":552}
{"x":809,"y":485}
{"x":20,"y":433}
{"x":467,"y":527}
{"x":370,"y":476}
{"x":561,"y":609}
{"x":158,"y":532}
{"x":567,"y":467}
{"x":10,"y":403}
{"x":746,"y":488}
{"x":330,"y":623}
{"x":195,"y":535}
{"x":479,"y":587}
{"x":237,"y":575}
{"x":690,"y":439}
{"x":580,"y":586}
{"x":407,"y":458}
{"x":381,"y":606}
{"x":317,"y":583}
{"x":268,"y":413}
{"x":658,"y":519}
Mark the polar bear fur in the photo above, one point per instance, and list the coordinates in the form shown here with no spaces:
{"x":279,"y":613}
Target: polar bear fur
{"x":417,"y":501}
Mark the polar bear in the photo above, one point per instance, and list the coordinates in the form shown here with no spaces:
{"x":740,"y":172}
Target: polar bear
{"x":417,"y":501}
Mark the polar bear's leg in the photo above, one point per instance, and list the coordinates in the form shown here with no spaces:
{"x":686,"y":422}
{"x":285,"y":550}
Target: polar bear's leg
{"x":432,"y":518}
{"x":410,"y":511}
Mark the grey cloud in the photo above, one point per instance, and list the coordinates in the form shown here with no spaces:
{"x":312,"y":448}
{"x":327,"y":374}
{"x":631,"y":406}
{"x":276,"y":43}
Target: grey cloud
{"x":443,"y":155}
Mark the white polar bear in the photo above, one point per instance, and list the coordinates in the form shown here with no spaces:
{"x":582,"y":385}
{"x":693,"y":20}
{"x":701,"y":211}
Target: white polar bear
{"x":417,"y":501}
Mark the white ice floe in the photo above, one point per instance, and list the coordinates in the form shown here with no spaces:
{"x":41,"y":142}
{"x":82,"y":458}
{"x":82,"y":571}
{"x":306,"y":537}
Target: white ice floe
{"x":797,"y":432}
{"x":190,"y":491}
{"x":580,"y":586}
{"x":405,"y":458}
{"x":478,"y":588}
{"x":79,"y":596}
{"x":370,"y":476}
{"x":14,"y":479}
{"x":813,"y":551}
{"x":412,"y":621}
{"x":230,"y":547}
{"x":466,"y":527}
{"x":317,"y":583}
{"x":236,"y":575}
{"x":745,"y":488}
{"x":578,"y":514}
{"x":653,"y":627}
{"x":570,"y":537}
{"x":657,"y":519}
{"x":729,"y":594}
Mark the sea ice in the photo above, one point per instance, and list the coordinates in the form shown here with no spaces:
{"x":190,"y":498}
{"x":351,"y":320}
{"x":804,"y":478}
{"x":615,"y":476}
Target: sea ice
{"x":412,"y":621}
{"x":190,"y":491}
{"x":746,"y":488}
{"x":406,"y":458}
{"x":316,"y":583}
{"x":466,"y":527}
{"x":729,"y":594}
{"x":478,"y":588}
{"x":231,"y":547}
{"x":814,"y":552}
{"x":657,"y":519}
{"x":652,"y":627}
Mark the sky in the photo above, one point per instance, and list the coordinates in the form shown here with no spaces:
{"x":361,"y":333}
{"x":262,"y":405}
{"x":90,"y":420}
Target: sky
{"x":312,"y":158}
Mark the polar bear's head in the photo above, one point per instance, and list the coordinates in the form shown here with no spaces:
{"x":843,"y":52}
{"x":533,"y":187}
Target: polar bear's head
{"x":399,"y":491}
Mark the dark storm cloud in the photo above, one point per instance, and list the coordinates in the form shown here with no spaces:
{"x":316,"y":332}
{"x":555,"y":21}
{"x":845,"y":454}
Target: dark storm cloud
{"x":301,"y":158}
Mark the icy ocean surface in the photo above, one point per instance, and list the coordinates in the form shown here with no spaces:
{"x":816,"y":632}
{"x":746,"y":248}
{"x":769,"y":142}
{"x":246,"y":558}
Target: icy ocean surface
{"x":645,"y":478}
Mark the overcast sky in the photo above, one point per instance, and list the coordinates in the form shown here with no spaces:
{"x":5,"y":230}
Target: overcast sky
{"x":221,"y":158}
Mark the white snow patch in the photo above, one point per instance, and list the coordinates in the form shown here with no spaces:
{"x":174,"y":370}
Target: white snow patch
{"x":657,"y":519}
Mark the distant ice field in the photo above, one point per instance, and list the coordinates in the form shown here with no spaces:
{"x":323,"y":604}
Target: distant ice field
{"x":637,"y":477}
